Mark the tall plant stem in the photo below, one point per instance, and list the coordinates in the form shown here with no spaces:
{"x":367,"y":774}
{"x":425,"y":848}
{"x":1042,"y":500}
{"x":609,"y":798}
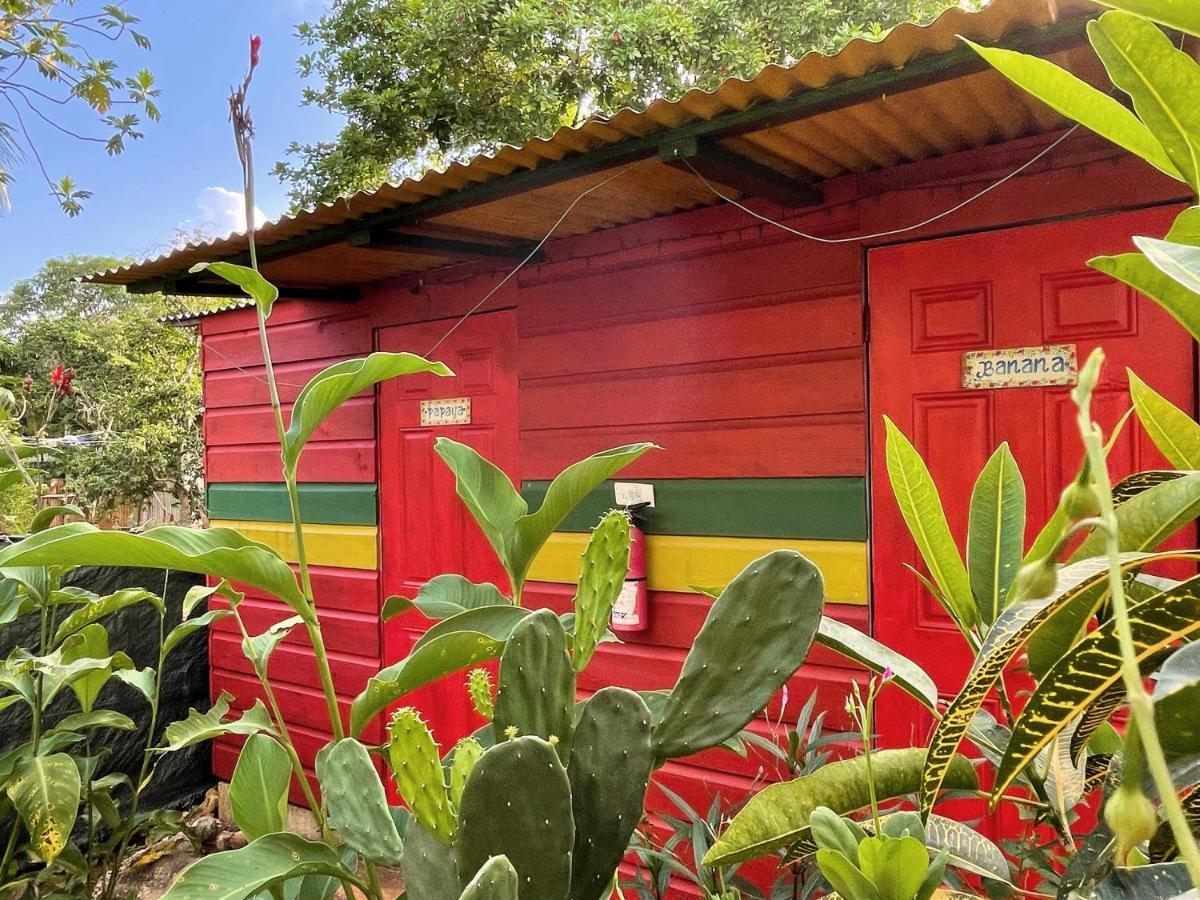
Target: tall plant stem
{"x":1140,"y":704}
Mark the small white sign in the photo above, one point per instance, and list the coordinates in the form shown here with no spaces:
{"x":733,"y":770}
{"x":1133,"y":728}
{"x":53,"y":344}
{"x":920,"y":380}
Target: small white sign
{"x":453,"y":411}
{"x":1014,"y":367}
{"x":624,"y":611}
{"x":630,"y":493}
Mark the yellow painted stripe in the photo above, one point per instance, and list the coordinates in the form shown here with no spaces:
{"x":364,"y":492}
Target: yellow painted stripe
{"x":343,"y":546}
{"x":677,"y":563}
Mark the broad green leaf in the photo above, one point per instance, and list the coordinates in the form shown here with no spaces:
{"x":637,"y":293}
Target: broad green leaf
{"x":72,"y":661}
{"x":777,"y":816}
{"x":144,"y":681}
{"x":188,"y":627}
{"x":1174,"y":432}
{"x":502,"y":514}
{"x":253,"y":285}
{"x":13,"y":603}
{"x":271,"y":860}
{"x":844,"y":877}
{"x":221,"y":552}
{"x":357,"y":804}
{"x":258,"y":648}
{"x":1092,"y":667}
{"x":1078,"y":100}
{"x":967,"y":849}
{"x":497,"y":622}
{"x":1161,"y":80}
{"x":996,"y":532}
{"x":1176,"y":699}
{"x":104,"y":606}
{"x":199,"y":727}
{"x":921,"y":507}
{"x":92,"y":646}
{"x":1149,"y":518}
{"x":444,"y":596}
{"x":1182,"y":15}
{"x":96,"y":718}
{"x":1179,"y":262}
{"x":440,"y":657}
{"x":330,"y":388}
{"x":896,"y":866}
{"x":201,"y":593}
{"x":865,"y":650}
{"x":258,"y":791}
{"x":45,"y":791}
{"x":45,"y":517}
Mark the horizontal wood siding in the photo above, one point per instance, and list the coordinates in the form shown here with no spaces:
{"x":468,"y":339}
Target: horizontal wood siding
{"x":338,"y":501}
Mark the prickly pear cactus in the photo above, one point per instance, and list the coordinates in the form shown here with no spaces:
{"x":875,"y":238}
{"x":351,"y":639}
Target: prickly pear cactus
{"x":497,"y":880}
{"x":479,"y":689}
{"x":357,"y":805}
{"x":429,"y":867}
{"x":517,"y":803}
{"x":755,"y":636}
{"x":611,"y":760}
{"x":536,"y":695}
{"x":605,"y":563}
{"x":417,"y":769}
{"x":466,"y":754}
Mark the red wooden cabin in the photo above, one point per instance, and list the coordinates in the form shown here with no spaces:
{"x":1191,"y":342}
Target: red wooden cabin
{"x":761,"y":361}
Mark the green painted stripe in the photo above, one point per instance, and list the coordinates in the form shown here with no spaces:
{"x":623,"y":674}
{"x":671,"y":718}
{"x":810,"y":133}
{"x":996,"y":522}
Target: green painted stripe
{"x":320,"y":504}
{"x":831,"y":509}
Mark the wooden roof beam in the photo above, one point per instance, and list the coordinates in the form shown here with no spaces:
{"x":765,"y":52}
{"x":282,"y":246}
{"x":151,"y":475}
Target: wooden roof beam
{"x":436,"y":245}
{"x":720,"y":165}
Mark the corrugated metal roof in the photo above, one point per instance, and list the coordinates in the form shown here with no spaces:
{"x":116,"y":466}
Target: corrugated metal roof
{"x":942,"y":108}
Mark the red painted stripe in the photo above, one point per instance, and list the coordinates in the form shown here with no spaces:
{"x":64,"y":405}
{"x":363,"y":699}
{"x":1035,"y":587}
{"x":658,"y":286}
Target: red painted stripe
{"x":345,"y":632}
{"x":338,"y":461}
{"x":352,"y":590}
{"x":301,"y":706}
{"x":292,"y":341}
{"x":236,"y":426}
{"x":793,"y":447}
{"x":294,"y":665}
{"x":248,"y":387}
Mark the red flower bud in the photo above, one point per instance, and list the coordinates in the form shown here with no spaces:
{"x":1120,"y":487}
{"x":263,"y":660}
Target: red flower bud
{"x":255,"y":46}
{"x":616,"y":37}
{"x":61,"y":379}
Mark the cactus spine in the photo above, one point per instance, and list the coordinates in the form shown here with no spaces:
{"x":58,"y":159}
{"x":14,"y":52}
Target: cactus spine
{"x":417,"y":769}
{"x":611,"y":760}
{"x":605,"y":563}
{"x":536,"y":695}
{"x":517,"y":803}
{"x":479,"y":689}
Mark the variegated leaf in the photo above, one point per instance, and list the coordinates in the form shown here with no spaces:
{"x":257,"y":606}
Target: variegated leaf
{"x":1091,"y":668}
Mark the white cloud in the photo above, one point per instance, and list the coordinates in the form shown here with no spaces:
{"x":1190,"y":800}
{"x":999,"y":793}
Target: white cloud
{"x":221,"y":211}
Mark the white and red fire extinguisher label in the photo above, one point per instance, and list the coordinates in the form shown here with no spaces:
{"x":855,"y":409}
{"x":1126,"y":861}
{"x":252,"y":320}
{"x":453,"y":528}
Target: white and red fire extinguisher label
{"x":630,"y":610}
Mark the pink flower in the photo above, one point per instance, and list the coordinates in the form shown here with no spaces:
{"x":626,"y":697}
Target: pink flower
{"x":255,"y":46}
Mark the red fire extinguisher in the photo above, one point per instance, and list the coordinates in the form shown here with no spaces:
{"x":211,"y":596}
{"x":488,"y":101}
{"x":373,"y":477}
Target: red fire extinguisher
{"x":631,"y":611}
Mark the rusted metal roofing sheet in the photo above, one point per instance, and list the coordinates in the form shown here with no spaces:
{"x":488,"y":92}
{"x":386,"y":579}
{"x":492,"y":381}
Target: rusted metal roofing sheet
{"x":915,"y":94}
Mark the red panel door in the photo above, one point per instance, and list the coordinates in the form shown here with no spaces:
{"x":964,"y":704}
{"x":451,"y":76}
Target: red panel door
{"x":1018,"y":287}
{"x":425,"y":529}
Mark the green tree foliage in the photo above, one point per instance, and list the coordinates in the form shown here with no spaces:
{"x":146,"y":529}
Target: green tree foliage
{"x":50,"y":62}
{"x":136,"y":390}
{"x":423,"y":82}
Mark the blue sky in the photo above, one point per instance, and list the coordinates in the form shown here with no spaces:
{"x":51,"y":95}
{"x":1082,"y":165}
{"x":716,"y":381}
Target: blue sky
{"x":184,"y":172}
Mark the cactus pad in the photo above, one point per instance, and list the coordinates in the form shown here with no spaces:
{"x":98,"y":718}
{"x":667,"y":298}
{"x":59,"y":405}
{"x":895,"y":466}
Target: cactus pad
{"x":417,"y":769}
{"x":466,"y":754}
{"x":605,"y":564}
{"x":756,"y":635}
{"x":611,"y":760}
{"x":537,"y":683}
{"x":357,"y":805}
{"x":479,"y":689}
{"x":517,"y":803}
{"x":497,"y":880}
{"x":428,"y":866}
